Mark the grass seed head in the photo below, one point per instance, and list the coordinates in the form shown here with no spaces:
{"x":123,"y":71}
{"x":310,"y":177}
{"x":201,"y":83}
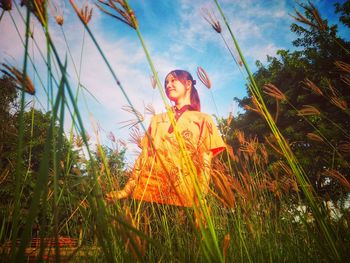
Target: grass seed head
{"x":240,"y":136}
{"x":229,"y":119}
{"x":78,"y":141}
{"x":308,"y":110}
{"x":23,"y":82}
{"x":111,"y":137}
{"x":135,"y":136}
{"x":225,"y":187}
{"x":122,"y":12}
{"x":225,"y":245}
{"x":203,"y":77}
{"x":211,"y":19}
{"x":344,"y":147}
{"x":311,"y":85}
{"x":255,"y":106}
{"x":264,"y":153}
{"x":149,"y":109}
{"x":59,"y":20}
{"x":345,"y":79}
{"x":339,"y":177}
{"x":274,"y":92}
{"x":343,"y":66}
{"x":56,"y":8}
{"x":231,"y":153}
{"x":271,"y":141}
{"x":314,"y":137}
{"x":311,"y":9}
{"x":132,"y":122}
{"x":339,"y":102}
{"x":85,"y":13}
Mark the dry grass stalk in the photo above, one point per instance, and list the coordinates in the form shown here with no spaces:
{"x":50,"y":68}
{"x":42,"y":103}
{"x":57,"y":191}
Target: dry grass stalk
{"x":224,"y":184}
{"x":256,"y":108}
{"x":340,"y":103}
{"x":343,"y":66}
{"x":122,"y":143}
{"x":240,"y":136}
{"x":37,"y":7}
{"x":320,"y":24}
{"x":17,"y":76}
{"x":274,"y":92}
{"x":280,"y":166}
{"x":264,"y":153}
{"x":248,"y":184}
{"x":203,"y":77}
{"x":231,"y":153}
{"x":344,"y":147}
{"x":229,"y":119}
{"x":149,"y":109}
{"x":153,"y":82}
{"x":339,"y":176}
{"x":345,"y":79}
{"x":273,"y":187}
{"x":211,"y":19}
{"x":250,"y":147}
{"x":111,"y":137}
{"x":314,"y":137}
{"x":225,"y":246}
{"x":308,"y":83}
{"x":132,"y":241}
{"x":139,"y":117}
{"x":6,"y":5}
{"x":85,"y":13}
{"x":123,"y":13}
{"x":308,"y":110}
{"x":289,"y":184}
{"x":78,"y":141}
{"x":271,"y":141}
{"x":135,"y":136}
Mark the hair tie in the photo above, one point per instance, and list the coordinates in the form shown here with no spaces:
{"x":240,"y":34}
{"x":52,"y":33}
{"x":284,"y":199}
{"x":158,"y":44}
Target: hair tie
{"x":194,"y":82}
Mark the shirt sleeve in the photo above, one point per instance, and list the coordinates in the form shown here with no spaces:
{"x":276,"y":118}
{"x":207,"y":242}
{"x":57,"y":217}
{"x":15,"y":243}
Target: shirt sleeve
{"x":210,"y":138}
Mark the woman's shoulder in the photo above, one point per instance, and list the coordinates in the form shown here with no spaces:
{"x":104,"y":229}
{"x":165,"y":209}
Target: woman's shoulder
{"x":161,"y":117}
{"x":199,"y":115}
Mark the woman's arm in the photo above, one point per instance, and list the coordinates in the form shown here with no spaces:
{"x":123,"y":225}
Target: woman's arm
{"x":130,"y":184}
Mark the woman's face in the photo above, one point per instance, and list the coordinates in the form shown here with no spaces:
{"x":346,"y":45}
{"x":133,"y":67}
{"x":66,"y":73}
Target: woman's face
{"x":175,"y":90}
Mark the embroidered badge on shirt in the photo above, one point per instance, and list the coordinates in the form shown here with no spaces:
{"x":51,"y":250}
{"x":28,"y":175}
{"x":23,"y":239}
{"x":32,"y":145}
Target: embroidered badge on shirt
{"x":187,"y":134}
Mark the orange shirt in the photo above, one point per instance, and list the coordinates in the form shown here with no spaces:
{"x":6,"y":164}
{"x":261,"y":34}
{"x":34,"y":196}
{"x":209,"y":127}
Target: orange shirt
{"x":162,"y":176}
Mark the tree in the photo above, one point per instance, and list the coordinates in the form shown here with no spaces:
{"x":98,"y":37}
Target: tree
{"x":316,"y":76}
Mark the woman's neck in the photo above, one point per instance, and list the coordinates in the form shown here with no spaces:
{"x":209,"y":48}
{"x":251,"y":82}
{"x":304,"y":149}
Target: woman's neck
{"x":180,"y":103}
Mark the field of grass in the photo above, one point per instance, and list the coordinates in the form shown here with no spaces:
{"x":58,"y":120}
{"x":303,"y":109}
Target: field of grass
{"x":260,"y":208}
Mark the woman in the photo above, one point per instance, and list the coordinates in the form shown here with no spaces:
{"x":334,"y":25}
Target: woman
{"x":161,"y":173}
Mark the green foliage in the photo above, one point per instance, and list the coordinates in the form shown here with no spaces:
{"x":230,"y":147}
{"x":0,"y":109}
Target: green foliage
{"x":74,"y":182}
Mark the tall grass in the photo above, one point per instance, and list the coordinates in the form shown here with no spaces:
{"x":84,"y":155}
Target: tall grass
{"x":249,"y":216}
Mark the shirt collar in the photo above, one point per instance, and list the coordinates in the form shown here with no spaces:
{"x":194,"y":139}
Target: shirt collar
{"x":178,"y":113}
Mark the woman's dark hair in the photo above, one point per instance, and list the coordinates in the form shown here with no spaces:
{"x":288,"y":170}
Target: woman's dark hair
{"x":183,"y":76}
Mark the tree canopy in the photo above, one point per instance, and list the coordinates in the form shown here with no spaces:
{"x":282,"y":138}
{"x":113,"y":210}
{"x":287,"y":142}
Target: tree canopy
{"x":308,"y":93}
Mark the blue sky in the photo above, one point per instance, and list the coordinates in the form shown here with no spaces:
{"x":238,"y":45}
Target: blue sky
{"x":176,"y":35}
